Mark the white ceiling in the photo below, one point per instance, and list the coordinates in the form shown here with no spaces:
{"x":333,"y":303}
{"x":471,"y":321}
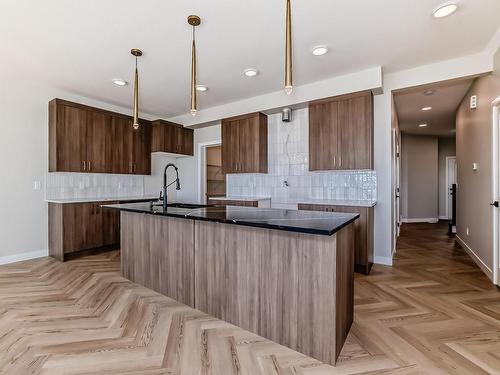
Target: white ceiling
{"x":444,"y":101}
{"x":81,"y":45}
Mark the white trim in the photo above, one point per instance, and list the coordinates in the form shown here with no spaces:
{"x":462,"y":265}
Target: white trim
{"x":443,"y":218}
{"x":202,"y":168}
{"x":23,"y":256}
{"x":484,"y":267}
{"x":496,"y":188}
{"x":447,"y":187}
{"x":431,"y":220}
{"x":385,"y":261}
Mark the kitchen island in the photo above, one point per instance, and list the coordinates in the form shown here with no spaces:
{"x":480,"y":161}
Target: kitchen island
{"x":286,"y":275}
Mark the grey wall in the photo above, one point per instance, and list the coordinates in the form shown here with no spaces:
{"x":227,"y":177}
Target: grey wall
{"x":447,"y":147}
{"x":419,"y":179}
{"x":475,"y":188}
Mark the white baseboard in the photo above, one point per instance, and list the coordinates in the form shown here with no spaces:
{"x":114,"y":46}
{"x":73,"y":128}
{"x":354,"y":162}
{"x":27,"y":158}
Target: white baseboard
{"x":444,"y":218}
{"x":385,"y":261}
{"x":431,"y":220}
{"x":484,"y":267}
{"x":23,"y":256}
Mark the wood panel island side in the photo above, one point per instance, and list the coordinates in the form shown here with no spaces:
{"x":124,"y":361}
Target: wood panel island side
{"x":285,"y":275}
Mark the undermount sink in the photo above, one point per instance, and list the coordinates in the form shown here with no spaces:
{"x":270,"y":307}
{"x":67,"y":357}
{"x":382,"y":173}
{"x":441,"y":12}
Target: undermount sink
{"x":187,"y":206}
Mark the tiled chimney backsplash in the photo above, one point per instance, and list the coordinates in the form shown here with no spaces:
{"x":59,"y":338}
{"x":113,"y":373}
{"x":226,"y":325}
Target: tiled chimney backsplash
{"x":288,"y":157}
{"x":86,"y":185}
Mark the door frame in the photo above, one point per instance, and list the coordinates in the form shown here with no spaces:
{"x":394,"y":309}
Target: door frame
{"x":496,"y":188}
{"x":202,"y":168}
{"x":447,"y":183}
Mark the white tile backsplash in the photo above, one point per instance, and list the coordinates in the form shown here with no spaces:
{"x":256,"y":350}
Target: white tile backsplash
{"x":288,"y":157}
{"x":87,"y":185}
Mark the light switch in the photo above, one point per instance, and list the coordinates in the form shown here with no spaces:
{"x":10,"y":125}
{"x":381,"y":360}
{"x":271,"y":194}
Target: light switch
{"x":475,"y":166}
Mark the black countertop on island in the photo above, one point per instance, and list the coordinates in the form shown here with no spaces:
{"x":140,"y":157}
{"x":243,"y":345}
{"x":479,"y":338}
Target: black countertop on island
{"x":312,"y":222}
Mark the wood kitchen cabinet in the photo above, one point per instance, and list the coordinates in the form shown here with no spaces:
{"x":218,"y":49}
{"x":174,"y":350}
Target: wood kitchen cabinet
{"x":92,"y":140}
{"x":244,"y":144}
{"x":341,"y":132}
{"x":363,"y":232}
{"x":172,"y":138}
{"x":78,"y":227}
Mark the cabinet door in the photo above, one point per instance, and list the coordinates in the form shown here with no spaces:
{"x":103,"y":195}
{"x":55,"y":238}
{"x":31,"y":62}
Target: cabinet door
{"x":120,"y":154}
{"x":230,"y":144}
{"x":141,"y":139}
{"x":110,"y":225}
{"x":361,"y":122}
{"x":323,"y":136}
{"x":356,"y":129}
{"x":98,"y":142}
{"x":187,"y":146}
{"x":71,"y":132}
{"x":76,"y":217}
{"x":94,"y":233}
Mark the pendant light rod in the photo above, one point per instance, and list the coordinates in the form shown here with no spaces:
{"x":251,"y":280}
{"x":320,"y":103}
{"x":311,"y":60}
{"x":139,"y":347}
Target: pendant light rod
{"x":194,"y":21}
{"x":137,"y":53}
{"x":288,"y":50}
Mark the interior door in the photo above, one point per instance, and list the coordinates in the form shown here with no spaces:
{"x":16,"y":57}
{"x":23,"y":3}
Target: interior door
{"x":451,"y":178}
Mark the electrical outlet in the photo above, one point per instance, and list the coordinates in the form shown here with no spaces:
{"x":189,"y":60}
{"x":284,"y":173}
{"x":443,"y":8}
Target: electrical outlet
{"x":473,"y":102}
{"x":37,"y":185}
{"x":467,"y":231}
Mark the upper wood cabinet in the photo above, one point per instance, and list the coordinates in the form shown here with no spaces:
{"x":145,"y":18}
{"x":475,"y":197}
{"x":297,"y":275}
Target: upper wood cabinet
{"x":244,"y":144}
{"x":92,"y":140}
{"x":172,"y":138}
{"x":341,"y":132}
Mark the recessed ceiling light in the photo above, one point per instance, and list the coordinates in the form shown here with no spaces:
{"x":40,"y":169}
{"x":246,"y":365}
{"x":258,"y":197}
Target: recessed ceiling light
{"x":422,"y":126}
{"x":119,"y":82}
{"x":201,"y":88}
{"x":445,"y":10}
{"x":426,"y":108}
{"x":319,"y":50}
{"x":429,"y":92}
{"x":251,"y":72}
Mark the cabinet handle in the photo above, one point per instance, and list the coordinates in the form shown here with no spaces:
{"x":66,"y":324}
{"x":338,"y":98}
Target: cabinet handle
{"x":334,"y":161}
{"x":84,"y":165}
{"x":90,"y":166}
{"x":340,"y":160}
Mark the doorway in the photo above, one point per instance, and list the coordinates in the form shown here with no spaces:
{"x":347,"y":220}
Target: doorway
{"x":451,"y":179}
{"x":215,"y":178}
{"x":496,"y":190}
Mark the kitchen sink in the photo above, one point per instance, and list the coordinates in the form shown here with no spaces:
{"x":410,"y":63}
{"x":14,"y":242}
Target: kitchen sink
{"x":187,"y":206}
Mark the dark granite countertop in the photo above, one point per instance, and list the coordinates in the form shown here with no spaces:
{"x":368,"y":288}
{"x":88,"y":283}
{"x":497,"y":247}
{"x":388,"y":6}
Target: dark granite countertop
{"x":312,"y":222}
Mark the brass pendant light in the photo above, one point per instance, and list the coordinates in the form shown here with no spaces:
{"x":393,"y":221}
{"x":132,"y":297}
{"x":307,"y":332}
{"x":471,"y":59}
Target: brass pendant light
{"x":288,"y":50}
{"x":137,"y":53}
{"x":193,"y":21}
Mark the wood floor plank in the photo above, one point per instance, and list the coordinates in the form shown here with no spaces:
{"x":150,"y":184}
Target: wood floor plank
{"x":434,"y":312}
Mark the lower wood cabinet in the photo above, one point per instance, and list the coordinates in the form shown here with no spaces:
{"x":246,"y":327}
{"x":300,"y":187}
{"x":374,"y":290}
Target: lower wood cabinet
{"x":77,"y":227}
{"x":363,"y":229}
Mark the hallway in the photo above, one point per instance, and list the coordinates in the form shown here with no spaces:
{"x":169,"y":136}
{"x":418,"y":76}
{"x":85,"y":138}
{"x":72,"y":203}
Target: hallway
{"x":434,"y":308}
{"x":434,"y":312}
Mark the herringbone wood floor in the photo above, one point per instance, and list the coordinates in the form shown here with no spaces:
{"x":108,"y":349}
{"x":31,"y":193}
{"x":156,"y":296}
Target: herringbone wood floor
{"x":434,"y":312}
